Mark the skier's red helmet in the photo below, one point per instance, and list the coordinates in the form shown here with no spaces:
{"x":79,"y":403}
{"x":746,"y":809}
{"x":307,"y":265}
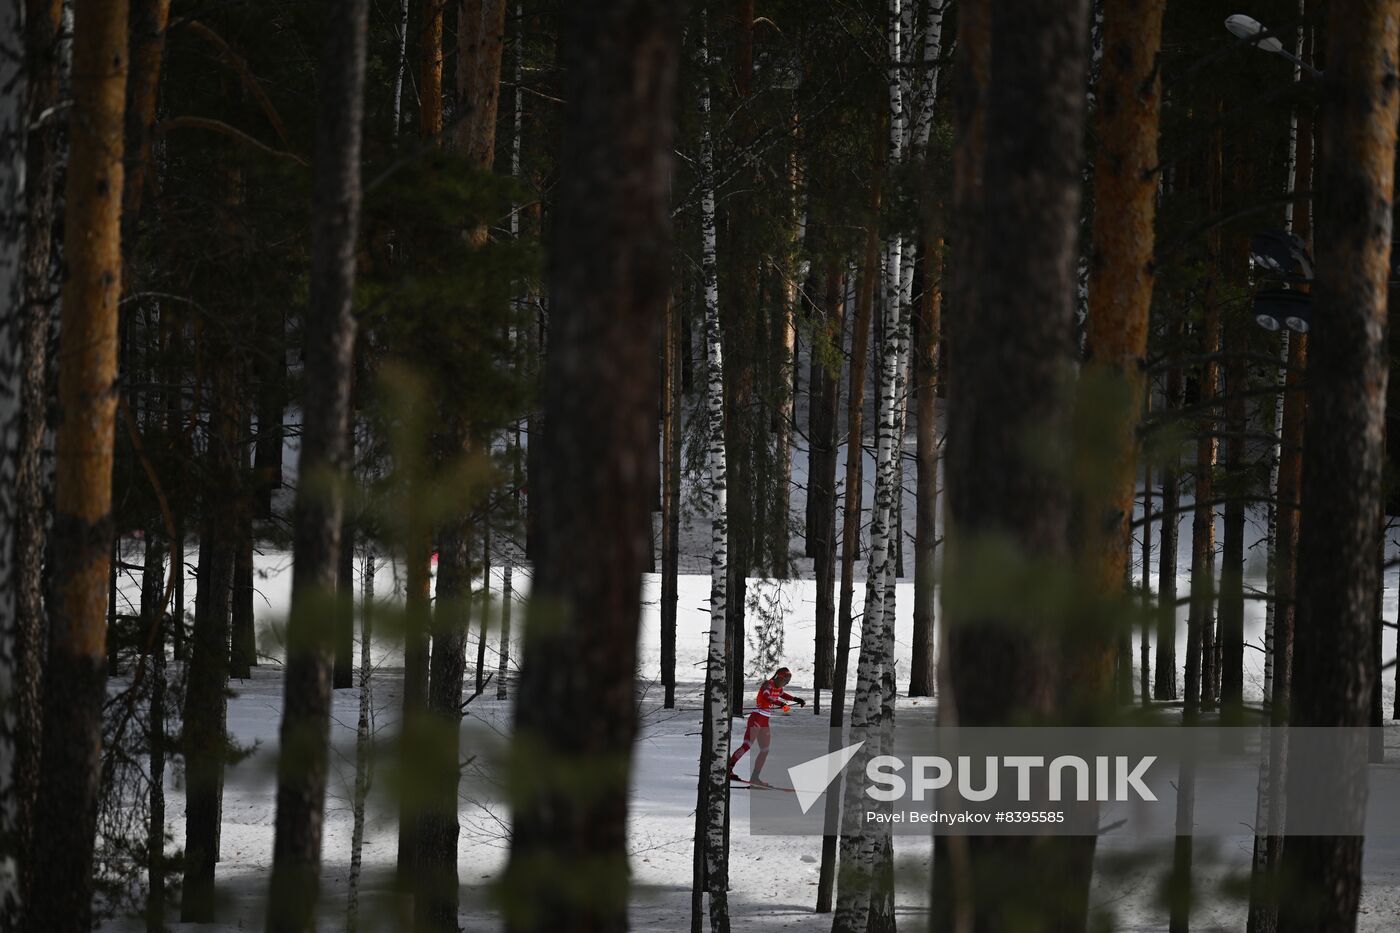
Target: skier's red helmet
{"x":782,"y":674}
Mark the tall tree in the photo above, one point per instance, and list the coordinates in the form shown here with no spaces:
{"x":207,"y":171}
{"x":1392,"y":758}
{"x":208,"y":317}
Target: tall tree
{"x":1004,"y":495}
{"x":1111,"y":385}
{"x":479,"y":51}
{"x":13,"y":132}
{"x":928,"y":326}
{"x":335,"y":214}
{"x":75,"y":684}
{"x":860,"y":844}
{"x":1342,"y":463}
{"x":711,"y":817}
{"x":821,"y":525}
{"x":43,"y":67}
{"x":609,"y":282}
{"x":419,"y":548}
{"x":205,"y":732}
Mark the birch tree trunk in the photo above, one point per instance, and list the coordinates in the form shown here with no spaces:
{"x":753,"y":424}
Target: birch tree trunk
{"x":861,"y":845}
{"x":1342,"y":465}
{"x":609,"y":284}
{"x":714,"y":761}
{"x":335,"y":206}
{"x":13,"y":133}
{"x":75,"y":684}
{"x":362,"y":740}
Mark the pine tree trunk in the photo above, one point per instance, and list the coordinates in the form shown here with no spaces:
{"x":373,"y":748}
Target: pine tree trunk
{"x":850,"y":528}
{"x":343,"y":667}
{"x":335,"y":206}
{"x":1164,"y":680}
{"x":670,"y":500}
{"x":821,"y":486}
{"x":206,"y":706}
{"x":153,"y":613}
{"x":13,"y":131}
{"x":243,"y":653}
{"x":921,"y":663}
{"x":43,"y":67}
{"x":74,"y":685}
{"x":1014,"y":307}
{"x":419,"y":546}
{"x":1111,"y":387}
{"x":417,"y":615}
{"x":1342,"y":465}
{"x":609,"y":285}
{"x":1235,"y":344}
{"x":438,"y":758}
{"x":1201,"y":615}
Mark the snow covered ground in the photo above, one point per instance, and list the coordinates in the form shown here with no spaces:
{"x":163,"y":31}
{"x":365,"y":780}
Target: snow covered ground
{"x":773,"y":878}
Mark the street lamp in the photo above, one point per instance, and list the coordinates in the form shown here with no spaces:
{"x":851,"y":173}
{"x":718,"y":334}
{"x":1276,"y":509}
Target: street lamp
{"x":1250,"y":29}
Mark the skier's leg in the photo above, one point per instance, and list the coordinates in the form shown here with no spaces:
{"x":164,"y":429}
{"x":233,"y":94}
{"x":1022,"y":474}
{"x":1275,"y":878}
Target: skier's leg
{"x":762,"y":737}
{"x":742,"y":749}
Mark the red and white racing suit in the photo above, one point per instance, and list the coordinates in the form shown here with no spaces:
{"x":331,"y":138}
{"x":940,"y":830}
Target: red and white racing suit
{"x":770,"y":697}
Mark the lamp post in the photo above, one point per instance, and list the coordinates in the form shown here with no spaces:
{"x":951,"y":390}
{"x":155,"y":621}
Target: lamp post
{"x":1251,"y":30}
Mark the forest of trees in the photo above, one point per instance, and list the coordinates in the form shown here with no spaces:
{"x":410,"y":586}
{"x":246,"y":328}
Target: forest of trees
{"x":1002,"y":310}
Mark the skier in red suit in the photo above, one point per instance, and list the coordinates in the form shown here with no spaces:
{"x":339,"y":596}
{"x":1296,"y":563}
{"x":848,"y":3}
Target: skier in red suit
{"x":756,"y":732}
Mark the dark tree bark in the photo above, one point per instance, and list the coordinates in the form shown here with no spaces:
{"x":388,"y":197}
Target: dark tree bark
{"x":1342,"y":464}
{"x":206,"y":704}
{"x":75,"y":675}
{"x":609,"y":285}
{"x":1236,"y":341}
{"x":485,"y":606}
{"x":1019,"y":229}
{"x":850,"y":528}
{"x":670,"y":498}
{"x":438,"y":759}
{"x":335,"y":213}
{"x":153,"y":628}
{"x":821,"y":485}
{"x":928,"y":326}
{"x":1164,"y":680}
{"x":42,"y":66}
{"x":343,"y":669}
{"x":243,"y":650}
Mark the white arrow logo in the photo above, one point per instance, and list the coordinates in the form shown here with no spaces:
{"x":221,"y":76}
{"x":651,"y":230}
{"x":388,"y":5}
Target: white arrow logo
{"x":811,"y":778}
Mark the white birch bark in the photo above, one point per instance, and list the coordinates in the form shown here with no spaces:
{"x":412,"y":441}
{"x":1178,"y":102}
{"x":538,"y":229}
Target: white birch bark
{"x":362,"y":737}
{"x":503,"y":655}
{"x":402,"y":67}
{"x":716,"y":680}
{"x":860,"y":846}
{"x":12,"y":166}
{"x":518,"y":117}
{"x":928,"y":94}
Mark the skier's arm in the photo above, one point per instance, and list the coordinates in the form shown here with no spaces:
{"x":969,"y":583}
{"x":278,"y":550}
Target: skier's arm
{"x":798,"y":700}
